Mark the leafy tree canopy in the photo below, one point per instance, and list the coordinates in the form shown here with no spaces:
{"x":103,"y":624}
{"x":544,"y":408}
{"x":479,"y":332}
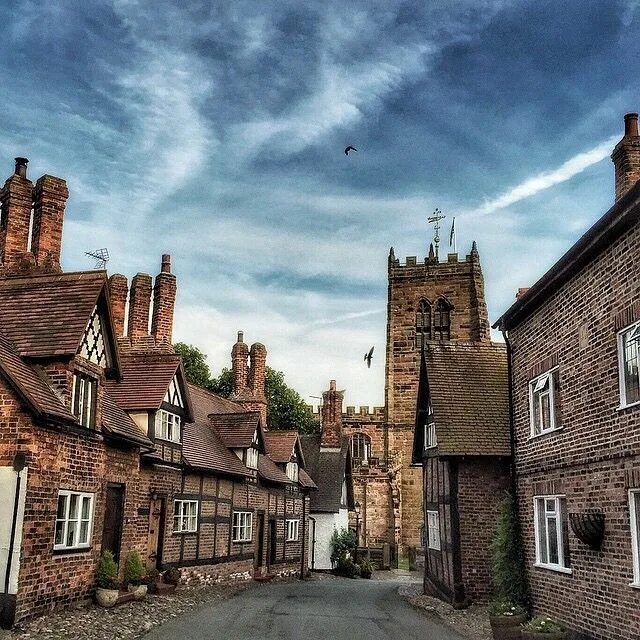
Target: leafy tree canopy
{"x":285,"y":407}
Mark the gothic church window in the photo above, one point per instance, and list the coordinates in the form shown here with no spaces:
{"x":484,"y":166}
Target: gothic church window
{"x":423,"y":324}
{"x":360,"y":448}
{"x":93,"y":346}
{"x":442,"y":321}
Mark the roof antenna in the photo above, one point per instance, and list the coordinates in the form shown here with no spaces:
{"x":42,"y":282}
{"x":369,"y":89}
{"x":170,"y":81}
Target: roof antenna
{"x":101,"y":257}
{"x":435,"y":221}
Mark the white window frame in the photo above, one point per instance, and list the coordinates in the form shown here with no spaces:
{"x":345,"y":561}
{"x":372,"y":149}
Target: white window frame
{"x":252,"y":458}
{"x":559,"y":511}
{"x":430,"y":437}
{"x":169,"y":431}
{"x":85,"y":408}
{"x":292,"y":471}
{"x":535,"y":403}
{"x":242,"y":529}
{"x":634,"y":512}
{"x":433,"y":530}
{"x":632,"y":328}
{"x":66,"y":520}
{"x":293,"y":530}
{"x":185,"y":516}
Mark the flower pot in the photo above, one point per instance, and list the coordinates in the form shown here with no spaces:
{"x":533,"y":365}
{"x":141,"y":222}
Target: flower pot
{"x":538,"y":635}
{"x":507,"y":627}
{"x":106,"y":597}
{"x":139,"y":591}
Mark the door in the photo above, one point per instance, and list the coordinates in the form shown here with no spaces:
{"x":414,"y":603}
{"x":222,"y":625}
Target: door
{"x":272,"y":542}
{"x":260,"y":540}
{"x":113,"y":513}
{"x":156,"y":532}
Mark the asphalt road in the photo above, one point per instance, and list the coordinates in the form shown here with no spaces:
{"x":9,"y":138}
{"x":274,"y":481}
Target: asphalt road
{"x":339,"y":609}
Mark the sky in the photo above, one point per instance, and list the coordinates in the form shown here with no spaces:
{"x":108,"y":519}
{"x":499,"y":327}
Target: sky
{"x":214,"y":131}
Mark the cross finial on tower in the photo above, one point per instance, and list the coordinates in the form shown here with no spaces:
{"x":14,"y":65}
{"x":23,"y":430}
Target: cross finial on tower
{"x":435,"y":221}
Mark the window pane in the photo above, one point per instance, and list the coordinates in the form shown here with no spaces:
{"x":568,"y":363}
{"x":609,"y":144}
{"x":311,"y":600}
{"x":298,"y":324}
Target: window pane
{"x":84,"y":532}
{"x":631,"y":374}
{"x":73,"y":506}
{"x":553,"y":540}
{"x":545,"y":410}
{"x":71,"y":533}
{"x":86,"y":505}
{"x":62,"y":507}
{"x":59,"y":539}
{"x":542,"y":533}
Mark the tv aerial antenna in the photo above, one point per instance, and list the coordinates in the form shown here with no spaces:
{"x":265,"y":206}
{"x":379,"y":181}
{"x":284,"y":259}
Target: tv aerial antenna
{"x":101,"y":257}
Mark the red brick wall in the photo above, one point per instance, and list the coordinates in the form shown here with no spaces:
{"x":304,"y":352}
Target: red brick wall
{"x":586,"y":460}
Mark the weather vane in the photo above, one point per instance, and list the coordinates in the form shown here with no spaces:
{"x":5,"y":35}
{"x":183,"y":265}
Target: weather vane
{"x":435,"y":221}
{"x":101,"y":257}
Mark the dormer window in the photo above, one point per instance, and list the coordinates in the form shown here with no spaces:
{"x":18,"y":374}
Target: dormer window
{"x":292,"y":471}
{"x":167,"y":426}
{"x":83,"y":399}
{"x":252,"y":458}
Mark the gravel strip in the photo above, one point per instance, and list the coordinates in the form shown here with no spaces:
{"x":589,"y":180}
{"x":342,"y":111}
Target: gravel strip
{"x":472,"y":623}
{"x":126,"y":622}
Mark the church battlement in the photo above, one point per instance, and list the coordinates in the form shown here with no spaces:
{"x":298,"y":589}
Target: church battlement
{"x":353,"y":411}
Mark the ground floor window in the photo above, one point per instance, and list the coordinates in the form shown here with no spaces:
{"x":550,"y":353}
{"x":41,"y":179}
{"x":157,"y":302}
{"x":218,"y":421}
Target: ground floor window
{"x":551,"y":531}
{"x":293,"y":530}
{"x":185,"y":516}
{"x":433,"y":530}
{"x":242,"y":525}
{"x":74,"y":520}
{"x":634,"y":506}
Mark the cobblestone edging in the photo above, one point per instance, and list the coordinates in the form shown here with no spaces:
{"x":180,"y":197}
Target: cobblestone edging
{"x":471,"y":623}
{"x":126,"y":622}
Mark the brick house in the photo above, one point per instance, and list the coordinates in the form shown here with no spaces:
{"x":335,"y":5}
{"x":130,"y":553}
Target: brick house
{"x":573,"y":341}
{"x":462,"y":442}
{"x":104,"y":445}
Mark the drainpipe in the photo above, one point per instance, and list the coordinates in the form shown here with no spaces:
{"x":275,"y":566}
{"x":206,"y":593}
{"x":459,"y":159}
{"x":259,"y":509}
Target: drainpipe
{"x":512,"y":427}
{"x":19,"y":463}
{"x":304,"y":534}
{"x":313,"y":544}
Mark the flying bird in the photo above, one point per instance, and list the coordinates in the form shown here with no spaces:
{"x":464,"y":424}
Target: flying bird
{"x":349,"y":148}
{"x":368,"y":357}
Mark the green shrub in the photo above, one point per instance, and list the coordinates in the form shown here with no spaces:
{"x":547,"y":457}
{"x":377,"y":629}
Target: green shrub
{"x":347,"y":567}
{"x":107,"y":571}
{"x":506,"y":608}
{"x":134,"y":571}
{"x":543,"y":624}
{"x":507,"y":557}
{"x":343,"y":545}
{"x":366,"y":567}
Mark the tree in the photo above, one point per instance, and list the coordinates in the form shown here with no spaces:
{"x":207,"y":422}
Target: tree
{"x":285,"y":407}
{"x":195,"y":365}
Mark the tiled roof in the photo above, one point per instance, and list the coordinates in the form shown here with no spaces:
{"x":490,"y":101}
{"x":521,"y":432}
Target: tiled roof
{"x":280,"y":445}
{"x":203,"y":449}
{"x":469,"y":391}
{"x":269,"y":470}
{"x":145,"y":380}
{"x":236,"y":429}
{"x":328,"y":469}
{"x":31,"y":384}
{"x":305,"y":480}
{"x":46,"y":315}
{"x":117,"y":423}
{"x":205,"y":403}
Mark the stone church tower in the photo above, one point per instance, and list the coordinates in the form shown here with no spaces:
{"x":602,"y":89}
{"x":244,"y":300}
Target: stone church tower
{"x":429,"y":301}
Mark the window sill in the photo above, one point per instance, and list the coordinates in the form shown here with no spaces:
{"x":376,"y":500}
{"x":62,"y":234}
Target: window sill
{"x":553,"y":567}
{"x":182,"y":533}
{"x":71,"y":551}
{"x":534,"y":436}
{"x":292,"y":540}
{"x":622,"y":407}
{"x":240,"y":541}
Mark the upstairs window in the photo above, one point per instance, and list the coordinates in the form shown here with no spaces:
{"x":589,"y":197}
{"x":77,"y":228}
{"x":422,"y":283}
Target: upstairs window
{"x":167,"y":426}
{"x":544,"y":402}
{"x":430,"y":439}
{"x":83,"y":399}
{"x":185,"y":516}
{"x":242,"y":526}
{"x":552,"y":533}
{"x":442,"y":321}
{"x":433,"y":530}
{"x":360,"y":448}
{"x":293,"y":530}
{"x":292,"y":471}
{"x":629,"y":364}
{"x":74,"y":519}
{"x":252,"y":458}
{"x":423,"y":324}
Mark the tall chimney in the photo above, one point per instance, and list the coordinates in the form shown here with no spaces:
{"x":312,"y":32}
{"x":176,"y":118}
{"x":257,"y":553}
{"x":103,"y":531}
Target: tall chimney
{"x":164,"y":300}
{"x":626,"y":157}
{"x":331,"y":417}
{"x":118,"y":291}
{"x":239,"y":356}
{"x":16,"y":200}
{"x":139,"y":303}
{"x":258,"y":370}
{"x":50,"y":197}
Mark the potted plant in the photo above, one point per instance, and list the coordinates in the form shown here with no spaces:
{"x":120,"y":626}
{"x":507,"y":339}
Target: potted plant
{"x":508,"y":610}
{"x":135,"y":575}
{"x":366,"y":567}
{"x":543,"y":628}
{"x":506,"y":619}
{"x":172,"y":576}
{"x":107,"y":587}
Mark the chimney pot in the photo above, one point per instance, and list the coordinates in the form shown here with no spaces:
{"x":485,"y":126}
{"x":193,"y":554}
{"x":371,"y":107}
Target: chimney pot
{"x":166,"y":263}
{"x":332,"y":385}
{"x":240,"y":336}
{"x":631,"y":124}
{"x":21,"y":167}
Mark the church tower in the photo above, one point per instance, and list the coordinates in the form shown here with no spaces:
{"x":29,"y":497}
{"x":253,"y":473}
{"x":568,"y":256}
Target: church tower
{"x":428,"y":301}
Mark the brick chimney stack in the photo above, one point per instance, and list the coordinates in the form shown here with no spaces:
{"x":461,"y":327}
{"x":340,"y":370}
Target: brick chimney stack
{"x":258,"y":370}
{"x":626,"y":157}
{"x":239,"y":357}
{"x":164,"y":300}
{"x":118,"y":291}
{"x":331,"y":417}
{"x":49,"y":200}
{"x":139,"y":303}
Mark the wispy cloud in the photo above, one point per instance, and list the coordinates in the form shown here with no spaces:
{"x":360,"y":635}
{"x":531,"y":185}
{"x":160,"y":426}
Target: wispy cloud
{"x":348,"y":316}
{"x":546,"y":180}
